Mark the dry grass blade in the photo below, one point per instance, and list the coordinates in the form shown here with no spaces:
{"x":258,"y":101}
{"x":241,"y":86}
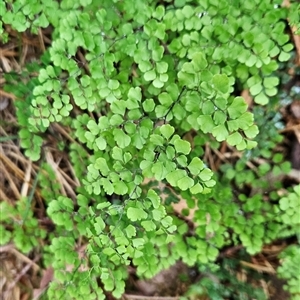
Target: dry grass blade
{"x":25,"y":259}
{"x":7,"y":95}
{"x":12,"y":186}
{"x":30,"y":198}
{"x":63,"y":132}
{"x":26,"y":183}
{"x":14,"y":275}
{"x":41,"y":40}
{"x":21,"y":274}
{"x":66,"y":188}
{"x":290,"y":128}
{"x":3,"y":196}
{"x":265,"y":288}
{"x":12,"y":166}
{"x":269,"y":270}
{"x":77,"y":183}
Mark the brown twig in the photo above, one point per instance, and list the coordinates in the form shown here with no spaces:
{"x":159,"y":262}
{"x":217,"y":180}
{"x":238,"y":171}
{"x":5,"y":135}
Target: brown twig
{"x":22,"y":273}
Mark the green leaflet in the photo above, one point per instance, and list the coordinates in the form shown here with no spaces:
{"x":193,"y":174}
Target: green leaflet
{"x":174,"y":176}
{"x":221,"y":83}
{"x":102,"y":166}
{"x":135,"y":214}
{"x":237,"y":107}
{"x":182,"y":146}
{"x":167,"y":130}
{"x":195,"y":166}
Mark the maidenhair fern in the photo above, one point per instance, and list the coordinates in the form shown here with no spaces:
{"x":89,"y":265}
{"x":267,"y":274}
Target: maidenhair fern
{"x":144,"y":86}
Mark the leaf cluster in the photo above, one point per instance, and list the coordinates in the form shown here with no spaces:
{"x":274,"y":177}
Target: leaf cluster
{"x":219,"y":282}
{"x":288,"y":270}
{"x":20,"y":226}
{"x":156,"y":86}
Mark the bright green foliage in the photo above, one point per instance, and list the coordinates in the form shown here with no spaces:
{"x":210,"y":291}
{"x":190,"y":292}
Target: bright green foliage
{"x":250,"y":217}
{"x":289,"y":270}
{"x":50,"y":187}
{"x":156,"y":88}
{"x":24,"y":231}
{"x":219,"y":282}
{"x":22,"y":15}
{"x":29,"y":141}
{"x":289,"y":213}
{"x":294,"y":16}
{"x":290,"y":207}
